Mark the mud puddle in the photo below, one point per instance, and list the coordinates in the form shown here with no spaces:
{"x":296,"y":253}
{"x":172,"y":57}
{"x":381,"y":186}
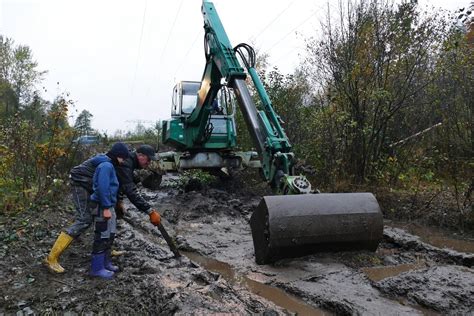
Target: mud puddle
{"x":379,"y":273}
{"x":273,"y":294}
{"x":436,"y":237}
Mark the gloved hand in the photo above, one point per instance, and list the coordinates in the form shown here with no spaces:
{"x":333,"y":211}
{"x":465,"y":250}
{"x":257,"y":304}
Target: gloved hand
{"x":155,"y":218}
{"x":107,"y":214}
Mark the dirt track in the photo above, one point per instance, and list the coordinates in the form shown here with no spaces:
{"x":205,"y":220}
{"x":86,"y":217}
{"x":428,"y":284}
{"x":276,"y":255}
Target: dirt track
{"x":404,"y":276}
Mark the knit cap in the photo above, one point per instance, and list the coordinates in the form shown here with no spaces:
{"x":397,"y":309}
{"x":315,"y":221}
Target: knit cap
{"x":119,"y":150}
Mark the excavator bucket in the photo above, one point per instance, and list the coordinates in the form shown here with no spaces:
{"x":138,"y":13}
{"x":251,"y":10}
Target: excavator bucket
{"x":295,"y":225}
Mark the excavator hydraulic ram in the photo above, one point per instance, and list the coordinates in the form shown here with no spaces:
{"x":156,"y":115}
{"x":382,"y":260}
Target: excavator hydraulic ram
{"x":293,"y":225}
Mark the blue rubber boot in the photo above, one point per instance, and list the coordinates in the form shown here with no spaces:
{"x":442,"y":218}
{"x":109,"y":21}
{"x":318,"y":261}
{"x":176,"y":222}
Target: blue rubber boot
{"x":108,"y":263}
{"x":98,"y":268}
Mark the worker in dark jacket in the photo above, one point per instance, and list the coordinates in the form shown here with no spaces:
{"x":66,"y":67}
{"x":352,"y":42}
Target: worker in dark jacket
{"x":81,"y":186}
{"x":137,"y":160}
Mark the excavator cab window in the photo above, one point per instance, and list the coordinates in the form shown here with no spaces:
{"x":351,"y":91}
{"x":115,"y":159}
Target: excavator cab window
{"x":189,"y":96}
{"x":174,"y":101}
{"x":222,"y":113}
{"x":219,"y":125}
{"x":184,"y":98}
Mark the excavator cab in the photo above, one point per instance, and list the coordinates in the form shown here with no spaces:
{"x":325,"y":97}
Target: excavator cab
{"x":184,"y":100}
{"x":213,"y":150}
{"x":220,"y":129}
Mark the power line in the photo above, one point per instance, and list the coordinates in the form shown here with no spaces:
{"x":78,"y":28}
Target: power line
{"x":171,"y":30}
{"x":186,"y":55}
{"x":273,"y":20}
{"x":166,"y":45}
{"x":263,"y":30}
{"x":292,"y":30}
{"x":287,"y":54}
{"x":139,"y":47}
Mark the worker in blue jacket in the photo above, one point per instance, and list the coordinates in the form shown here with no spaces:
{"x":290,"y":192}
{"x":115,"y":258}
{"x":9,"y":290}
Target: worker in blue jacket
{"x":105,"y":186}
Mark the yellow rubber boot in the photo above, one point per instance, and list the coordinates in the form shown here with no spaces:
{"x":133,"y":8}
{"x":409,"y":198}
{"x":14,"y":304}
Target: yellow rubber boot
{"x":51,"y":261}
{"x":117,"y":253}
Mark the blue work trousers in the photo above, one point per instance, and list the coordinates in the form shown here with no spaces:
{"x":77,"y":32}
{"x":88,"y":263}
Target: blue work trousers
{"x":104,"y":232}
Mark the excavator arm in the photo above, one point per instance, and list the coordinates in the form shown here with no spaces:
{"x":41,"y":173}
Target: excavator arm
{"x":223,"y":67}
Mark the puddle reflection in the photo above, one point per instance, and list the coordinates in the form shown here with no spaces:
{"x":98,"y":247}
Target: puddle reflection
{"x":437,"y":237}
{"x":276,"y":295}
{"x":379,"y":273}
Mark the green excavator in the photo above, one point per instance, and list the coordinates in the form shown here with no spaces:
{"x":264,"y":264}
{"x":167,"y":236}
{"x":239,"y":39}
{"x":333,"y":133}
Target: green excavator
{"x":293,"y":222}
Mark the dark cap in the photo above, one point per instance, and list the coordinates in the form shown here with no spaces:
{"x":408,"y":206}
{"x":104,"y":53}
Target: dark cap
{"x":148,"y":151}
{"x":119,"y":150}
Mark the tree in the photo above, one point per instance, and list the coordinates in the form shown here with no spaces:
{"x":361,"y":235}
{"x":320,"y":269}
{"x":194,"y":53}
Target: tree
{"x":291,"y":97}
{"x":8,"y":99}
{"x":35,"y":138}
{"x":453,"y":144}
{"x":371,"y":68}
{"x":19,"y":70}
{"x":24,"y":75}
{"x":83,"y":123}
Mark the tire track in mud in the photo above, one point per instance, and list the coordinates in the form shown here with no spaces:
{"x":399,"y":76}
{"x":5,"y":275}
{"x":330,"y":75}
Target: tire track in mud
{"x":446,"y":282}
{"x":271,"y":293}
{"x":190,"y":288}
{"x":214,"y":223}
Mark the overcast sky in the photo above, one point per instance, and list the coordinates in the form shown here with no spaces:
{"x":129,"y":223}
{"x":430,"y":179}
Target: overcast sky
{"x":121,"y":59}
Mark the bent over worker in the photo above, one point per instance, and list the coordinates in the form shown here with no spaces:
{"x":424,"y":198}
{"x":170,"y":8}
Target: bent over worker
{"x":81,"y":186}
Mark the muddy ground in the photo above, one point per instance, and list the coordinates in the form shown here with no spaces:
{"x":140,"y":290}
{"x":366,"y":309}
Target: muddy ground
{"x":410,"y":273}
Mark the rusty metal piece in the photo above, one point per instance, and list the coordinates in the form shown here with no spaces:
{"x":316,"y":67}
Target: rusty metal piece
{"x":294,"y":225}
{"x":169,"y":241}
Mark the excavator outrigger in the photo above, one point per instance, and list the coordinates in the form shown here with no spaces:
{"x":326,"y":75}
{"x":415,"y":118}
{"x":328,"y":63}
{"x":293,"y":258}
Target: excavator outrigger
{"x":294,"y":221}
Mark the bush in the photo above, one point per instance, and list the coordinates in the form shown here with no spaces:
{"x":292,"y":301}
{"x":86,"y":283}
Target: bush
{"x":35,"y":159}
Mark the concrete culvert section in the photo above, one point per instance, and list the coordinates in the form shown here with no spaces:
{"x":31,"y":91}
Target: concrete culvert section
{"x":296,"y":225}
